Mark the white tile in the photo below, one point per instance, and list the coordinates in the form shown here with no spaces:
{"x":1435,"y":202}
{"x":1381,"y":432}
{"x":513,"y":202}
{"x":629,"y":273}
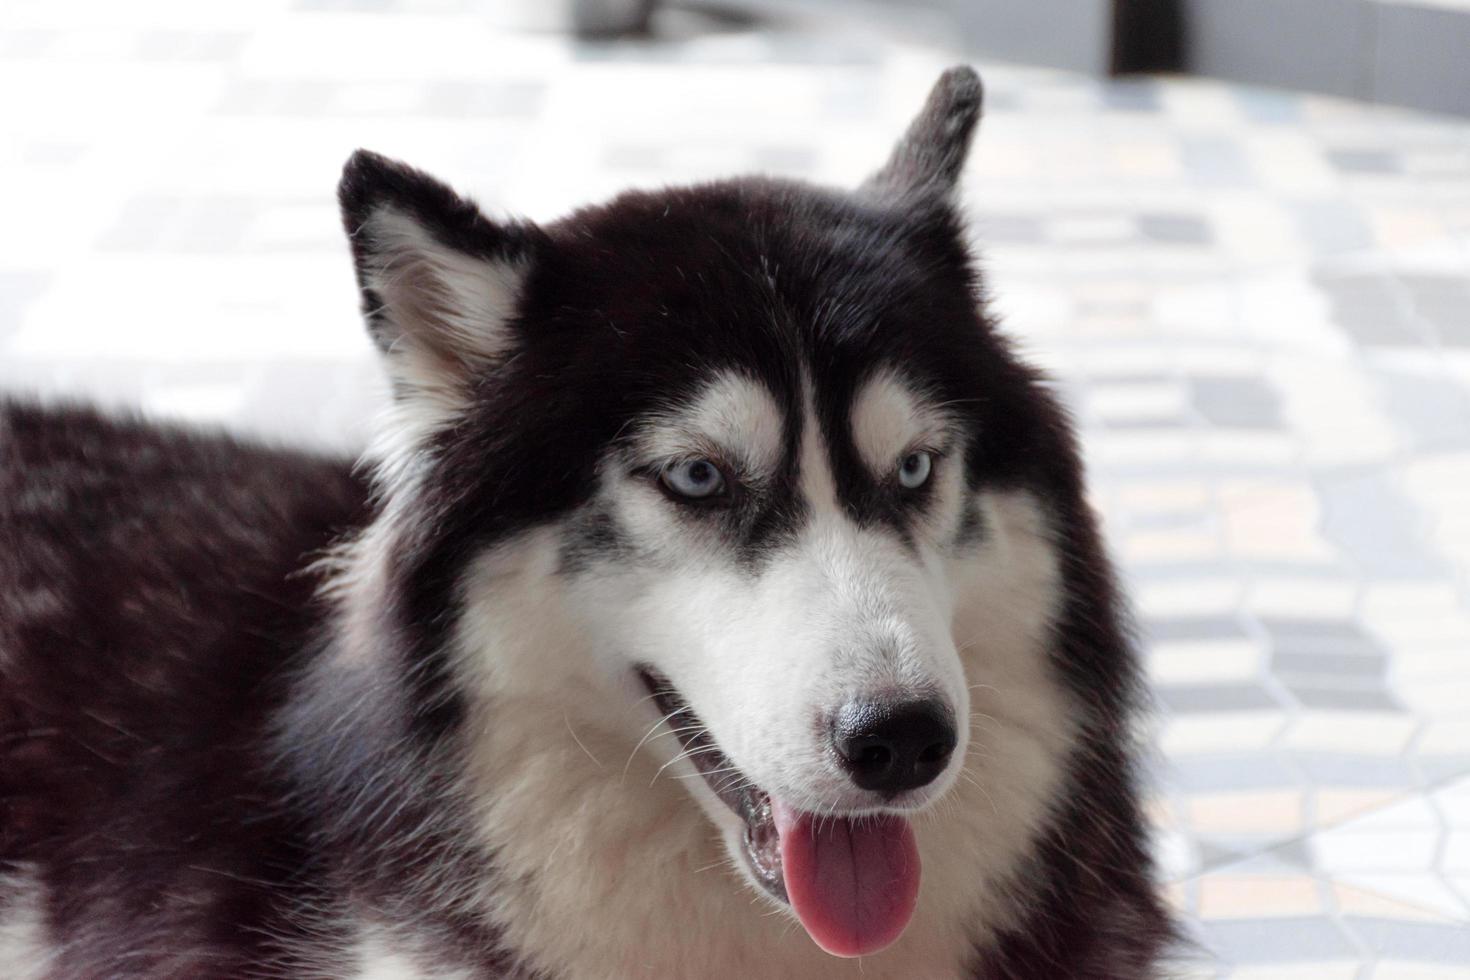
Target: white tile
{"x":1344,"y":850}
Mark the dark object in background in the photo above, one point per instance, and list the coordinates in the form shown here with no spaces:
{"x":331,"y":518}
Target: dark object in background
{"x":609,"y":18}
{"x":1148,"y":36}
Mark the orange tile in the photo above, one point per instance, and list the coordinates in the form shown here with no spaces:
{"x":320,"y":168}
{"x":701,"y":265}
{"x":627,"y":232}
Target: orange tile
{"x":1273,"y":812}
{"x":1257,"y":896}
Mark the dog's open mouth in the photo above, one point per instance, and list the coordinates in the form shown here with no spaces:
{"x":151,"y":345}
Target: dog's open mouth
{"x":852,"y":880}
{"x":752,"y":804}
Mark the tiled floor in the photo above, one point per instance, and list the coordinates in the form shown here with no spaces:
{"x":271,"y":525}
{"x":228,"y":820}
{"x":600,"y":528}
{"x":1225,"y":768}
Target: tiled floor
{"x":1258,"y":303}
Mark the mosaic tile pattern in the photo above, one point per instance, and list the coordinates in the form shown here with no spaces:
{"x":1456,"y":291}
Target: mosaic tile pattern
{"x":1258,"y":304}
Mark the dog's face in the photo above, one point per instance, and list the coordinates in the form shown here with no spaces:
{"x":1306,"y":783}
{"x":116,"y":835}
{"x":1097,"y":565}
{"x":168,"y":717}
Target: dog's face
{"x":756,"y":430}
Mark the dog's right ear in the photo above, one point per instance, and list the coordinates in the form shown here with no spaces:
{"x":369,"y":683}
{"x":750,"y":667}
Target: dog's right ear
{"x":927,"y":161}
{"x":440,"y":281}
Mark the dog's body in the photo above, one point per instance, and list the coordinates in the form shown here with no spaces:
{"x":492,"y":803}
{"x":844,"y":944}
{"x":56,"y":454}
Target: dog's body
{"x":736,"y":470}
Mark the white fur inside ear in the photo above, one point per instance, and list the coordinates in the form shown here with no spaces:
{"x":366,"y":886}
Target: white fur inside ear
{"x":446,"y":317}
{"x":447,"y":312}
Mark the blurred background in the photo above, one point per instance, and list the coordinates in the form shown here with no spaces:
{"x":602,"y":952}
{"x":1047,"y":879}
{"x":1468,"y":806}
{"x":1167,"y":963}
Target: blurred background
{"x":1236,"y":231}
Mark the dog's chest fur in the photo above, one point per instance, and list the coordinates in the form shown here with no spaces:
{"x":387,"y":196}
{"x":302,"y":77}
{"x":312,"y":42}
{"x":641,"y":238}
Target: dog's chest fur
{"x":585,"y":832}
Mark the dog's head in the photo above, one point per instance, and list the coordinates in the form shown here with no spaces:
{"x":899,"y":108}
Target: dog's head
{"x":734,"y":455}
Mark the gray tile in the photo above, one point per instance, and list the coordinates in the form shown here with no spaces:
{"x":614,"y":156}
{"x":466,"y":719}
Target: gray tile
{"x":1127,"y":377}
{"x":1130,"y":95}
{"x":1293,"y":854}
{"x":1342,"y":665}
{"x":1429,"y":411}
{"x":1302,"y":641}
{"x":1202,"y":698}
{"x":1365,"y":161}
{"x":1268,"y":105}
{"x":1177,"y":571}
{"x":1179,"y":229}
{"x":1419,"y":942}
{"x":1443,"y":302}
{"x":1140,"y":423}
{"x":1288,"y":857}
{"x":1193,"y":628}
{"x":1365,"y":771}
{"x":1004,"y":101}
{"x":1215,"y":855}
{"x":1167,"y":520}
{"x":1332,"y":226}
{"x":1367,"y":517}
{"x":1009,"y":229}
{"x":1236,"y":401}
{"x":1349,"y":289}
{"x":1374,"y":310}
{"x":1453,"y":330}
{"x":1374,"y":328}
{"x":1440,"y":767}
{"x":1226,"y":773}
{"x":1425,"y":290}
{"x":1321,"y":697}
{"x":1301,"y":629}
{"x":1216,"y":161}
{"x":1287,"y":940}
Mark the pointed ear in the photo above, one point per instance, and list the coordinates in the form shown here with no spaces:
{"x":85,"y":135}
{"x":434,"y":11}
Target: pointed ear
{"x":926,"y":163}
{"x":440,"y":282}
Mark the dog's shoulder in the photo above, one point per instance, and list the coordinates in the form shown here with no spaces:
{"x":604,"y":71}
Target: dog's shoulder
{"x":155,"y":595}
{"x":124,"y":534}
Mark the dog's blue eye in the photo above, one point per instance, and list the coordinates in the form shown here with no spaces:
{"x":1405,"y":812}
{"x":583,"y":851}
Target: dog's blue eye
{"x":697,"y":479}
{"x":913,"y":472}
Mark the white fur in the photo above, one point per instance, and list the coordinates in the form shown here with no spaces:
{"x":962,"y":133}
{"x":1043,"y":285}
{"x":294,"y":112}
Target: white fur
{"x":381,"y":954}
{"x":449,"y":308}
{"x":449,"y":316}
{"x":25,"y":952}
{"x":734,"y":420}
{"x":841,"y":615}
{"x":591,"y":826}
{"x":889,"y":420}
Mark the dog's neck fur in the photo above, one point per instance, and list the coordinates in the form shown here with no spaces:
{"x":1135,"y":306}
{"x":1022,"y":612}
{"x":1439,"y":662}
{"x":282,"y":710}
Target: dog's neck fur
{"x":584,"y":824}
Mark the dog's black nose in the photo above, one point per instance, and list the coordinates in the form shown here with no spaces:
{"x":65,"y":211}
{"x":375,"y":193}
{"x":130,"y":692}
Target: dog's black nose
{"x":892,"y":746}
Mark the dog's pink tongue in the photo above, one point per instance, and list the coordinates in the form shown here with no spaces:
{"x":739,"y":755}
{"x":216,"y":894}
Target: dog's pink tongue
{"x":853,"y":883}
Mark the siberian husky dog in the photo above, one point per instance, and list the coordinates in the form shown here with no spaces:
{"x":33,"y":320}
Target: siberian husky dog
{"x":721,"y":601}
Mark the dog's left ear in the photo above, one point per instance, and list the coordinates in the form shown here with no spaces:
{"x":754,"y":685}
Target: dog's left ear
{"x":926,"y":163}
{"x":440,"y":281}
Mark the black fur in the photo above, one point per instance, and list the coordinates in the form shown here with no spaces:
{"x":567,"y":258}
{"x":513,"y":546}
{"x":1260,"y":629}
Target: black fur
{"x":202,"y":788}
{"x":152,"y":608}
